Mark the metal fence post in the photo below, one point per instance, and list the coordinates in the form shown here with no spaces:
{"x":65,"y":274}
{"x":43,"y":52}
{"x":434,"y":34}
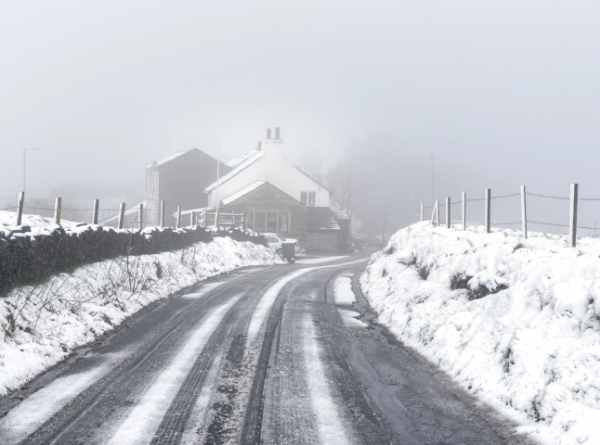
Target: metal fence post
{"x":524,"y":211}
{"x":488,"y":213}
{"x":573,"y":228}
{"x":422,"y":210}
{"x":121,"y":215}
{"x":178,"y":217}
{"x":20,"y":203}
{"x":464,"y":210}
{"x":96,"y":211}
{"x":448,"y":213}
{"x":57,"y":210}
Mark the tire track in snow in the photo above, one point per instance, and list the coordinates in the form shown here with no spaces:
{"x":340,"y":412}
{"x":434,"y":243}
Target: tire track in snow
{"x":198,"y":414}
{"x":266,"y":303}
{"x":34,"y":411}
{"x":330,"y":427}
{"x":89,"y":424}
{"x":253,"y":417}
{"x":144,"y":419}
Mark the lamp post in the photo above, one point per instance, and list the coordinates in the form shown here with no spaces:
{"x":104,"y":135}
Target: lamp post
{"x":25,"y":150}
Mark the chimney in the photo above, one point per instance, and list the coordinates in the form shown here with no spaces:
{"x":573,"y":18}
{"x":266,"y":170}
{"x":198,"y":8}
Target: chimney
{"x":268,"y":133}
{"x":277,"y":133}
{"x":259,"y":146}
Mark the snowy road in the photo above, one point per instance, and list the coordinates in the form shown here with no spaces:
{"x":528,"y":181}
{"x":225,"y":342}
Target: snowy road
{"x":273,"y":355}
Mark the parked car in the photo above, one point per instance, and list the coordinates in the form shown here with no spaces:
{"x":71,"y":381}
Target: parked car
{"x":275,"y":241}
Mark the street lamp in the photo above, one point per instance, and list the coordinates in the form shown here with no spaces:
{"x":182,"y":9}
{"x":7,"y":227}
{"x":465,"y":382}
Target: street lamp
{"x":25,"y":150}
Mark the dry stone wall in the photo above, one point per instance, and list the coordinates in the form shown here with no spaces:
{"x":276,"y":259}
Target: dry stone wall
{"x":27,"y":256}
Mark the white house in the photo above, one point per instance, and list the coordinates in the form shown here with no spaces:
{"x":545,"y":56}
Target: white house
{"x":276,"y":196}
{"x":268,"y":164}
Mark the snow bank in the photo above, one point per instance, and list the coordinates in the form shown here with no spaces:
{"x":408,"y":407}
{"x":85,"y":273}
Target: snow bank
{"x":516,"y":322}
{"x":8,"y":220}
{"x":40,"y":325}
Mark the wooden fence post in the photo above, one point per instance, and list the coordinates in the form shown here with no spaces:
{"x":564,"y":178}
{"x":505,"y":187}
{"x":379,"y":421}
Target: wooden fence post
{"x":141,"y":217}
{"x":122,"y":215}
{"x":422,"y":210}
{"x":488,"y":213}
{"x":178,"y":217}
{"x":433,"y":213}
{"x":573,"y":228}
{"x":464,"y":210}
{"x":96,"y":211}
{"x":57,"y":210}
{"x":162,"y":213}
{"x":524,"y":211}
{"x":193,"y":219}
{"x":437,"y":213}
{"x":20,"y":203}
{"x":448,"y":213}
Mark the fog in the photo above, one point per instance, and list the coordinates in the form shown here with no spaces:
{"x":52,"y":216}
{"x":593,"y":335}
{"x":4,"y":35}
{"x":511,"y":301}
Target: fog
{"x":501,"y":94}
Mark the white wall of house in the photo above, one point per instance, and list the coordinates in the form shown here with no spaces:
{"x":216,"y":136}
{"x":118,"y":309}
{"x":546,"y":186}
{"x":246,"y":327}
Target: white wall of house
{"x":274,"y":168}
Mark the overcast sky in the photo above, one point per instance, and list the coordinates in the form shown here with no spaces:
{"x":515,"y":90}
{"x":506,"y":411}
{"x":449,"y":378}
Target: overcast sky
{"x":502,"y":93}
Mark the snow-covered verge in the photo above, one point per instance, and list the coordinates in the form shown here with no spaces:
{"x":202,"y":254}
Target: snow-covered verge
{"x":8,"y":220}
{"x":516,"y":322}
{"x":42,"y":324}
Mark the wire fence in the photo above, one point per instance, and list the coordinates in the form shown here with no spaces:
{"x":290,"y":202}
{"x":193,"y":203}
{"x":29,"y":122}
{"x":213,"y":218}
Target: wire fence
{"x":523,"y":219}
{"x":70,"y":212}
{"x":74,"y":213}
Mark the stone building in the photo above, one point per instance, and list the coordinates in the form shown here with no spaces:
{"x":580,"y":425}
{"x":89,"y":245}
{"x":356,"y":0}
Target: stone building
{"x":179,"y":180}
{"x":268,"y":209}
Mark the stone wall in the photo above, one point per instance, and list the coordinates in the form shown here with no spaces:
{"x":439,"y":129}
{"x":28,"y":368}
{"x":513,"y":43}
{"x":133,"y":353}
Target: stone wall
{"x":27,"y":256}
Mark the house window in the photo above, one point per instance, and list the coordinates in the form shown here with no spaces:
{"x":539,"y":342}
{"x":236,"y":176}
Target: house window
{"x":249,"y":220}
{"x":308,"y":198}
{"x":259,"y":222}
{"x":271,"y":222}
{"x":283,"y":222}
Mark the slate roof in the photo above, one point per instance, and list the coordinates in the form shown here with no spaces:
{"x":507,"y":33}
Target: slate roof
{"x":167,"y":159}
{"x":321,"y":218}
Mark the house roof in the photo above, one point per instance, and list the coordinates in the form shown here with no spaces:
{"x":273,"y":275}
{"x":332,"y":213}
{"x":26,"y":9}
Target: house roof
{"x":167,"y":159}
{"x":248,"y":160}
{"x":235,"y":162}
{"x":306,"y":174}
{"x":321,"y":218}
{"x":243,"y":192}
{"x":194,"y":152}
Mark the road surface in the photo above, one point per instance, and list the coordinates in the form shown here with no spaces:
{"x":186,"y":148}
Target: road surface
{"x":277,"y":355}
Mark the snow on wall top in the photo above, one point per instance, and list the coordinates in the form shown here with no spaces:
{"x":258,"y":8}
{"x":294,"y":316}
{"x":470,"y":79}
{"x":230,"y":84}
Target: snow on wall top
{"x":8,"y":220}
{"x":243,"y":192}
